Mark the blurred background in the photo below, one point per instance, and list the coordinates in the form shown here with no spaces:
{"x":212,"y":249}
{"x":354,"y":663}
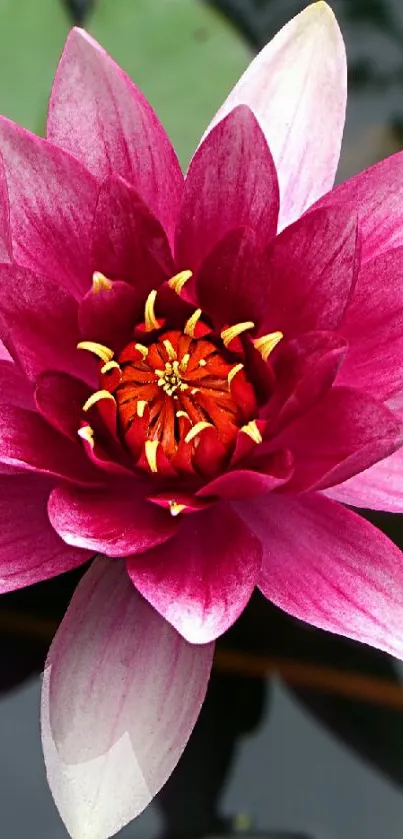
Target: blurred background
{"x":301,"y":736}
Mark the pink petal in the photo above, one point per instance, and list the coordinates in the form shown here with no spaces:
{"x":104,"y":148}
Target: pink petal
{"x":343,"y":434}
{"x":98,"y":115}
{"x":373,"y":328}
{"x":115,"y":521}
{"x":28,"y":442}
{"x":6,"y":249}
{"x":246,"y":482}
{"x":327,"y":566}
{"x":60,"y":399}
{"x":231,"y":183}
{"x":30,"y":550}
{"x":14,"y":387}
{"x":4,"y":353}
{"x":375,"y":194}
{"x":297,"y":88}
{"x":108,"y":316}
{"x":378,"y":488}
{"x":202,"y":579}
{"x":310,"y":273}
{"x":129,"y":243}
{"x":52,"y":202}
{"x":121,"y":695}
{"x":41,"y":326}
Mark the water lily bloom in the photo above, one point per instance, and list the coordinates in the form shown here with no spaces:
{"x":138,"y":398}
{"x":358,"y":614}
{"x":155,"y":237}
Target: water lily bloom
{"x":196,"y":372}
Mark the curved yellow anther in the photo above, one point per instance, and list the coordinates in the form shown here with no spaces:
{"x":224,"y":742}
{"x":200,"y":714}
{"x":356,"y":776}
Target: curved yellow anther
{"x":141,"y":349}
{"x":183,"y":414}
{"x":149,"y":314}
{"x":87,"y":433}
{"x":175,"y":508}
{"x":169,"y":348}
{"x":252,"y":431}
{"x":178,"y":281}
{"x":141,"y":406}
{"x":151,"y":447}
{"x":100,"y":283}
{"x":200,"y":426}
{"x":110,"y":365}
{"x":232,"y":373}
{"x":104,"y":353}
{"x":185,"y":361}
{"x":265,"y":345}
{"x":190,"y":324}
{"x":232,"y":332}
{"x":96,"y":397}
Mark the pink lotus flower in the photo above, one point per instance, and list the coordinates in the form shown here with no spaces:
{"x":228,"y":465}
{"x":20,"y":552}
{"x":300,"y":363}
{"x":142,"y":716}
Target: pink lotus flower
{"x":200,"y":369}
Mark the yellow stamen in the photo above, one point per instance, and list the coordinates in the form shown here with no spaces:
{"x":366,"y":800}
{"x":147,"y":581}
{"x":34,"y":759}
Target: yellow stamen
{"x":191,"y":323}
{"x":141,"y":406}
{"x":149,"y":314}
{"x":169,"y":348}
{"x":110,"y":365}
{"x":252,"y":431}
{"x":175,"y":508}
{"x":265,"y":345}
{"x":87,"y":433}
{"x":178,"y":281}
{"x":151,"y":447}
{"x":96,"y":397}
{"x":183,"y":414}
{"x":100,"y":283}
{"x":232,"y":373}
{"x":232,"y":332}
{"x":200,"y":426}
{"x":185,"y":361}
{"x":141,"y":349}
{"x":202,"y":362}
{"x":104,"y":353}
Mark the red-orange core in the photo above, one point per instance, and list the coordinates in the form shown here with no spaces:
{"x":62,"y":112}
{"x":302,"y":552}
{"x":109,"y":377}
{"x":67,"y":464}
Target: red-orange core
{"x":176,"y":388}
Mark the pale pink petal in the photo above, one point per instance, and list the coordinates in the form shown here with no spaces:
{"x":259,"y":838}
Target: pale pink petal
{"x":297,"y":88}
{"x":98,"y":115}
{"x":378,"y":488}
{"x":202,"y":579}
{"x":114,"y":521}
{"x":328,"y":566}
{"x":52,"y":203}
{"x":121,"y":694}
{"x":30,"y":550}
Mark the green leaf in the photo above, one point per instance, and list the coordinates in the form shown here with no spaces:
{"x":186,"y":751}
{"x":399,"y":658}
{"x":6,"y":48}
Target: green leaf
{"x":31,"y":40}
{"x":182,"y":54}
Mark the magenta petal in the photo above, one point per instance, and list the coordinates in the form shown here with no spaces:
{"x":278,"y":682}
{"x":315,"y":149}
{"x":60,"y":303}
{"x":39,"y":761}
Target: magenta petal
{"x":343,"y":434}
{"x":40,"y":320}
{"x":231,"y":182}
{"x":121,"y":694}
{"x":15,"y":389}
{"x":114,"y":521}
{"x":328,"y":566}
{"x":52,"y":202}
{"x":373,"y":328}
{"x":246,"y":482}
{"x":129,"y":242}
{"x":310,"y":271}
{"x":297,"y":87}
{"x":28,"y":442}
{"x":378,"y":488}
{"x":202,"y":579}
{"x":60,"y":399}
{"x":108,"y":315}
{"x":375,"y":195}
{"x":98,"y":115}
{"x":30,"y":550}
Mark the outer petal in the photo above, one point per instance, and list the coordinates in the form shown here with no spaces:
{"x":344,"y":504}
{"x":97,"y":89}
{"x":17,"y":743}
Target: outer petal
{"x":373,"y":327}
{"x":14,"y":387}
{"x":38,"y":320}
{"x":52,"y":202}
{"x":201,"y":580}
{"x":30,"y":550}
{"x":27,"y":442}
{"x":231,"y":182}
{"x":376,"y":196}
{"x":116,"y":521}
{"x":121,"y":694}
{"x":297,"y":87}
{"x":329,"y":567}
{"x":310,"y":273}
{"x":99,"y":116}
{"x":378,"y":488}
